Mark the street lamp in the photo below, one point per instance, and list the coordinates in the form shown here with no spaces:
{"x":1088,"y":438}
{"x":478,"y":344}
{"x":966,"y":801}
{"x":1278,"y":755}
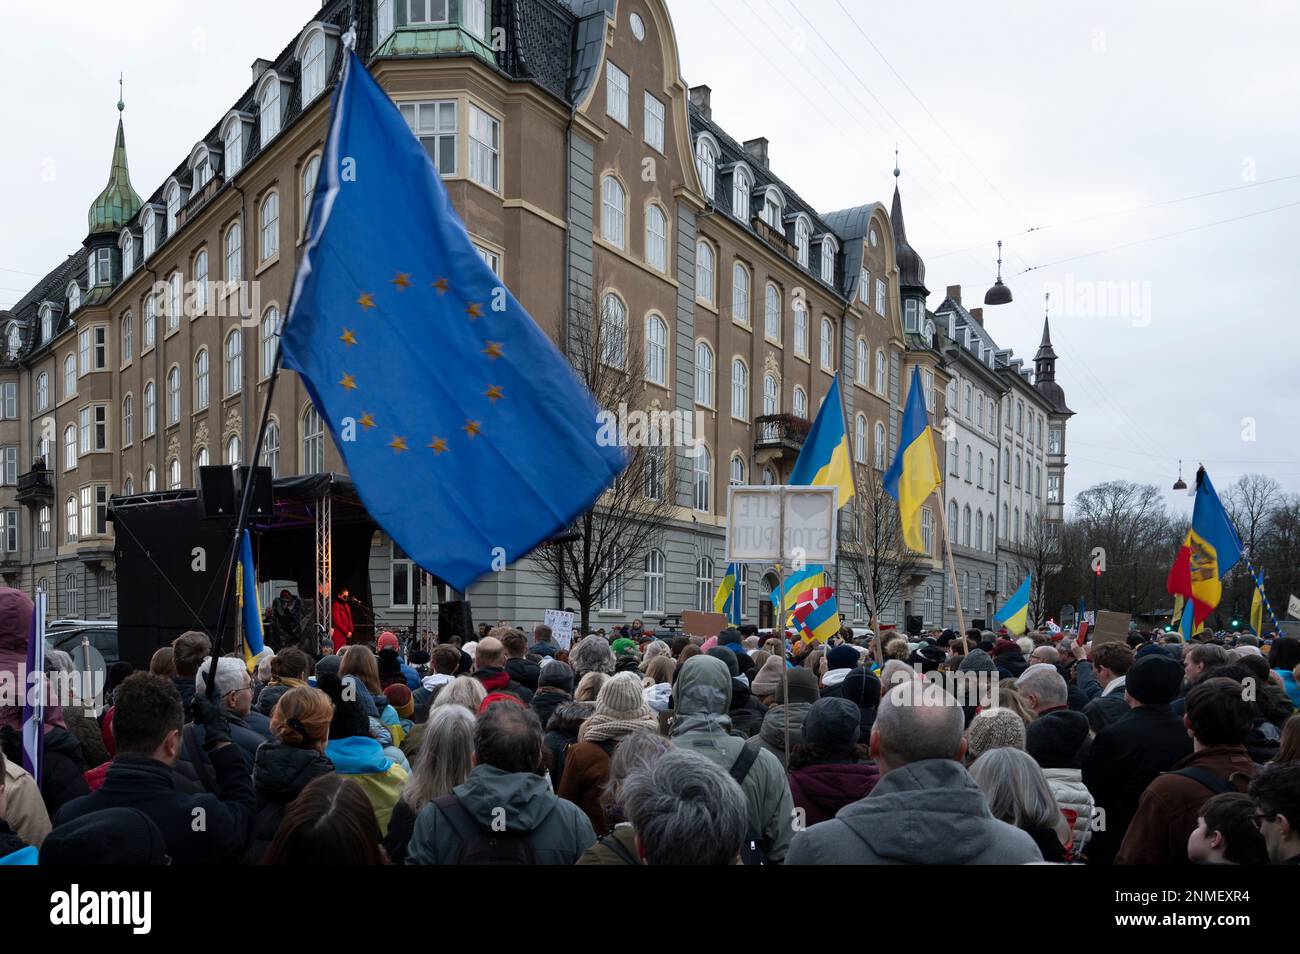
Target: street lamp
{"x":1180,"y":484}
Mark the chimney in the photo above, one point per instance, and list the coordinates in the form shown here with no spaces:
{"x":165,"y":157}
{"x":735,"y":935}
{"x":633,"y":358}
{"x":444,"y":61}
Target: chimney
{"x":260,"y":66}
{"x":954,"y":292}
{"x":757,"y":150}
{"x":700,"y":100}
{"x":976,"y":313}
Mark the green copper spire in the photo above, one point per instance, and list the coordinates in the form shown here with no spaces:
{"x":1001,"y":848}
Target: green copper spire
{"x":118,"y":203}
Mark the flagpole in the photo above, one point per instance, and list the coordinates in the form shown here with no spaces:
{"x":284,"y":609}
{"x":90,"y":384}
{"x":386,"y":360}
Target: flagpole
{"x":785,"y":669}
{"x":857,"y":517}
{"x":952,"y":571}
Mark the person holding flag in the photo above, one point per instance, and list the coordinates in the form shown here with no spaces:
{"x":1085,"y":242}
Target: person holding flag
{"x":1014,"y":614}
{"x":1210,"y":549}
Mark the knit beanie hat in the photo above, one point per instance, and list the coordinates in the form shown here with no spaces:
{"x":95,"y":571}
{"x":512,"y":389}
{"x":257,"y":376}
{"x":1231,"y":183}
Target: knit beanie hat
{"x":977,"y":660}
{"x":623,"y":645}
{"x":592,"y":654}
{"x":1004,"y":645}
{"x":386,"y":640}
{"x":1154,"y":679}
{"x":842,"y":657}
{"x":1054,"y":739}
{"x":768,"y":678}
{"x":728,"y":659}
{"x":729,"y":637}
{"x":557,"y":674}
{"x":861,"y":688}
{"x":803,"y":687}
{"x":995,"y":728}
{"x":492,"y":698}
{"x":399,"y":697}
{"x":621,"y":699}
{"x":833,"y":723}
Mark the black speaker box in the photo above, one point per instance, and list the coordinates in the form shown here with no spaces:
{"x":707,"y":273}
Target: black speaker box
{"x":220,"y":488}
{"x":455,"y":619}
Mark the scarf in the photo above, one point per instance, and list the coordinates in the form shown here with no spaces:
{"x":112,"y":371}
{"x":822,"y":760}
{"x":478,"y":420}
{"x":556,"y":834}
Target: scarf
{"x":602,"y":728}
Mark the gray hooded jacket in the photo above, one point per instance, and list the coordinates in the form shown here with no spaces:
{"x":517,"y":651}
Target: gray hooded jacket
{"x":930,"y":812}
{"x":701,"y":725}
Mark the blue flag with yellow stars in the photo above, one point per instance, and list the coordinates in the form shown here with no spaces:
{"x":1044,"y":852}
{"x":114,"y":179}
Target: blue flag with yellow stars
{"x":468,"y":435}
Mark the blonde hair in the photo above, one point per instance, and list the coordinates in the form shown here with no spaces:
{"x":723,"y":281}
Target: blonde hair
{"x":310,"y":712}
{"x":589,"y":686}
{"x":660,"y":670}
{"x":359,"y":661}
{"x":462,"y":691}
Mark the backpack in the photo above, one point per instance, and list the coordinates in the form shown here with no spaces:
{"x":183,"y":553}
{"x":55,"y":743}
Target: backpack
{"x":750,"y":851}
{"x":482,"y":846}
{"x":1219,"y":786}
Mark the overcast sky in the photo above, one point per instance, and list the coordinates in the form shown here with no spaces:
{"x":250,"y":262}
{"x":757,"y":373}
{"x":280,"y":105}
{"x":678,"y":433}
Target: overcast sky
{"x":1081,"y":122}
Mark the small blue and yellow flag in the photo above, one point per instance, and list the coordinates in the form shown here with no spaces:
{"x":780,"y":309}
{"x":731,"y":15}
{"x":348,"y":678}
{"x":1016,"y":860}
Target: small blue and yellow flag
{"x":1015,"y":614}
{"x":824,"y":460}
{"x":727,"y":599}
{"x":818,"y":614}
{"x":468,"y":435}
{"x":796,"y":584}
{"x":914,"y":474}
{"x":250,"y":612}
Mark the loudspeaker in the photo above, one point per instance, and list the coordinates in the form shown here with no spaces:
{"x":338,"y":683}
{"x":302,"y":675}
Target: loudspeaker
{"x":220,"y":490}
{"x":455,"y":619}
{"x":915,"y":624}
{"x":978,"y":624}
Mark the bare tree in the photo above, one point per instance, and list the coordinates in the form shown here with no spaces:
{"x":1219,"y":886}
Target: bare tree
{"x":1137,"y":537}
{"x":876,"y":555}
{"x":1038,"y":556}
{"x":614,"y":537}
{"x":1253,"y":502}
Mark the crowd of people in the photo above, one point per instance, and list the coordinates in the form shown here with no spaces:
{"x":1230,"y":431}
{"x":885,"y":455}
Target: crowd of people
{"x":638,"y":748}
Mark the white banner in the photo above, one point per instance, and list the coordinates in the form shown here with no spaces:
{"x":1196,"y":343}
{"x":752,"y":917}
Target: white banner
{"x":561,"y":623}
{"x":1293,"y":606}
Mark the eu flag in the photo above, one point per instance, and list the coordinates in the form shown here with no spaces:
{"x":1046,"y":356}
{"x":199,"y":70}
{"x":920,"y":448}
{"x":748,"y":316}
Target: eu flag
{"x":468,"y":436}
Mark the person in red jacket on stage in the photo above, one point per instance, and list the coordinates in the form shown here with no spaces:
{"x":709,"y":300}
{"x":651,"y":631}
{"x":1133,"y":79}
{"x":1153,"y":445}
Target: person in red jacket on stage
{"x":342,"y":618}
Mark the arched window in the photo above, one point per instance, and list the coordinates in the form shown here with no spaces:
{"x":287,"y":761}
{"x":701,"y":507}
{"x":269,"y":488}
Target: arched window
{"x":1006,"y":522}
{"x":989,"y":530}
{"x":174,"y":301}
{"x":656,"y":238}
{"x":613,"y":331}
{"x":173,"y":474}
{"x":741,"y":183}
{"x":860,"y":439}
{"x":863,"y":362}
{"x":704,"y":374}
{"x":703,"y":478}
{"x":740,"y":294}
{"x":150,"y":320}
{"x":43,"y":519}
{"x":613,"y":218}
{"x":965,"y":526}
{"x":704,"y":272}
{"x":201,"y":379}
{"x":772,"y":312}
{"x":14,"y":343}
{"x":150,"y":410}
{"x":1017,"y":472}
{"x":802,"y":236}
{"x":47,"y":324}
{"x":310,"y":173}
{"x":656,"y":350}
{"x":880,"y":371}
{"x":233,"y":450}
{"x":70,"y":375}
{"x":771,"y":395}
{"x":800,"y":403}
{"x":828,"y":344}
{"x":979,"y":529}
{"x":172,"y":196}
{"x":128,"y":420}
{"x":270,"y":327}
{"x":232,"y":140}
{"x":269,"y":222}
{"x":173,"y":395}
{"x":739,"y":390}
{"x":271,"y":448}
{"x":880,"y":446}
{"x":800,"y":309}
{"x":69,"y":447}
{"x":313,"y":67}
{"x":968,"y":470}
{"x":773,"y":208}
{"x":966,"y":404}
{"x":200,"y":460}
{"x":201,"y":283}
{"x":150,"y":480}
{"x":769,"y":478}
{"x":952,"y":518}
{"x":313,"y":442}
{"x":42,"y":391}
{"x":653,"y":484}
{"x":979,"y":470}
{"x":70,"y":519}
{"x":704,"y":585}
{"x":1028,"y":533}
{"x":706,"y":164}
{"x":737,"y":471}
{"x":234,"y":361}
{"x":234,"y":253}
{"x":1016,"y":525}
{"x":269,"y":109}
{"x":1006,"y":466}
{"x":829,"y":251}
{"x":654,"y":582}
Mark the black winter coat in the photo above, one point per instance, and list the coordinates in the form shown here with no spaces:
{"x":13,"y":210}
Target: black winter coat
{"x":136,"y":781}
{"x":1125,"y":758}
{"x":524,"y":671}
{"x":62,"y":772}
{"x":280,"y":773}
{"x":545,"y":701}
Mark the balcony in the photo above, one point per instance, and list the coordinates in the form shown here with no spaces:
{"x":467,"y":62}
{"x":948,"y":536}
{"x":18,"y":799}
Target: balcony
{"x":779,"y":437}
{"x":37,"y":485}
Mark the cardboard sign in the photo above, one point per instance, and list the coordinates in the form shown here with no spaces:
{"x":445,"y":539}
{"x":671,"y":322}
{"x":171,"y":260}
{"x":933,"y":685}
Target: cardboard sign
{"x":561,"y":624}
{"x":780,"y":524}
{"x":1111,"y":628}
{"x":695,"y":623}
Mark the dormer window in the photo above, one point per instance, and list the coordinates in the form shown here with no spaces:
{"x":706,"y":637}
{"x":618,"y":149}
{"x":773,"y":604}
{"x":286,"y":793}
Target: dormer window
{"x":911,"y":315}
{"x":47,"y":323}
{"x":74,"y":297}
{"x":802,"y":238}
{"x":313,"y":67}
{"x":829,"y":250}
{"x":426,"y":11}
{"x":741,"y":184}
{"x":150,"y":232}
{"x":773,"y":208}
{"x":268,"y":107}
{"x":706,"y":163}
{"x":127,"y":245}
{"x":232,"y":140}
{"x":101,"y":267}
{"x":200,"y":168}
{"x":13,"y":344}
{"x":172,"y":196}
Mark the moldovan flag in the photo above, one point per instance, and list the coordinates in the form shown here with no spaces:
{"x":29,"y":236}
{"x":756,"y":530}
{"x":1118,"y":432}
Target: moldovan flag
{"x":1015,"y":614}
{"x":914,"y":474}
{"x":824,"y":460}
{"x":1210,"y":550}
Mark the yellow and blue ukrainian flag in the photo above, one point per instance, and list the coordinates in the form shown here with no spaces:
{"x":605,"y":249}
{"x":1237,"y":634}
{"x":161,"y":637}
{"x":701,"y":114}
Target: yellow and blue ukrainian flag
{"x":798,"y":583}
{"x":818,"y":614}
{"x":1015,"y":614}
{"x":470,"y":439}
{"x":727,"y":599}
{"x":250,"y":612}
{"x":914,"y":474}
{"x":824,"y":460}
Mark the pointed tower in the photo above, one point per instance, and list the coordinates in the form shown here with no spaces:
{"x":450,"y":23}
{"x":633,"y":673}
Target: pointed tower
{"x":118,"y":203}
{"x":1045,"y":368}
{"x":911,"y":268}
